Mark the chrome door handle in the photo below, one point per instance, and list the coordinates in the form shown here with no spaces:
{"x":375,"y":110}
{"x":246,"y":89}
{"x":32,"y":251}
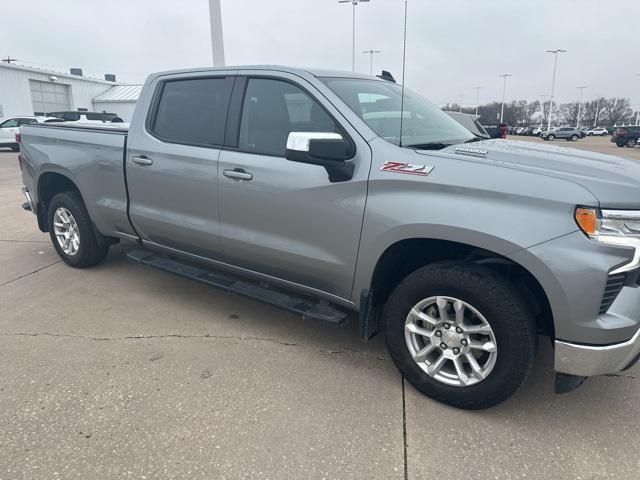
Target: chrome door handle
{"x":142,"y":160}
{"x":237,"y":174}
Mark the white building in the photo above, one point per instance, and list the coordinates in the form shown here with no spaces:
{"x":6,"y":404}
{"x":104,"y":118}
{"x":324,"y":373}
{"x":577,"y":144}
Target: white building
{"x":28,"y":91}
{"x":119,"y":99}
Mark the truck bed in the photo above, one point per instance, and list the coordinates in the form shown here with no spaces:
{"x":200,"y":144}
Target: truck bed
{"x":93,"y":156}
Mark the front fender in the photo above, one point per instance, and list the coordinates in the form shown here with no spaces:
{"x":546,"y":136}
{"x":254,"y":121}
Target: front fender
{"x":465,"y":200}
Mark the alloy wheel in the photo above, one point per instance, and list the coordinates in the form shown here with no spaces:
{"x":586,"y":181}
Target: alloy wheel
{"x":451,"y":341}
{"x":66,"y":231}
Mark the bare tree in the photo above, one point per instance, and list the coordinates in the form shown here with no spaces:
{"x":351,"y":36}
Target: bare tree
{"x":616,"y":111}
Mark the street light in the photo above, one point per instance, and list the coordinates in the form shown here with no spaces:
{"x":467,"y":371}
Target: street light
{"x":353,"y":41}
{"x":595,"y":122}
{"x":553,"y":82}
{"x":372,"y":53}
{"x":217,"y":43}
{"x":542,"y":109}
{"x":461,"y":100}
{"x":477,"y":89}
{"x":580,"y":105}
{"x":638,"y":112}
{"x":504,"y":90}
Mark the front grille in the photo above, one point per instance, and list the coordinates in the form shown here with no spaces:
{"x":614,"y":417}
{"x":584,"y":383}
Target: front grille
{"x":611,"y":290}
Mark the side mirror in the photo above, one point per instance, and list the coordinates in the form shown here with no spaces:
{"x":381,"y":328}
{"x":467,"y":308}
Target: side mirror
{"x":329,"y":150}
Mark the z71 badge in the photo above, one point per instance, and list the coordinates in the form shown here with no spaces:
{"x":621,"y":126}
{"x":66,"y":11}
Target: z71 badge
{"x":402,"y":167}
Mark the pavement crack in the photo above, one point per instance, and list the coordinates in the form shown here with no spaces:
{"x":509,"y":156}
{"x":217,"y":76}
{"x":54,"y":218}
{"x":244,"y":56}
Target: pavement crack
{"x":404,"y":430}
{"x":206,"y":336}
{"x":622,"y":375}
{"x":30,"y":273}
{"x":9,"y":240}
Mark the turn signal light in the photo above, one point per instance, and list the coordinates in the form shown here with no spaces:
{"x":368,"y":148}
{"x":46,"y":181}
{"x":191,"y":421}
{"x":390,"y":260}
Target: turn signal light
{"x":587,"y":220}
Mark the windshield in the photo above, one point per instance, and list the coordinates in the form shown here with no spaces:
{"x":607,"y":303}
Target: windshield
{"x":379,"y":103}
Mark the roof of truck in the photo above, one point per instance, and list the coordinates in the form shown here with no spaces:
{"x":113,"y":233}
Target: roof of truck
{"x":282,"y":68}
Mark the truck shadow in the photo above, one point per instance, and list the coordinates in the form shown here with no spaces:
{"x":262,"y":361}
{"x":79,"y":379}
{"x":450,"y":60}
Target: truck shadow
{"x":236,"y":315}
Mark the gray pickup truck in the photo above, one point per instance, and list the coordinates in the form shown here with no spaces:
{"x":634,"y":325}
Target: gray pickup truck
{"x":309,"y":190}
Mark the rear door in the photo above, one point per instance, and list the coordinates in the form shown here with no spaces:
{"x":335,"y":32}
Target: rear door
{"x":286,"y":219}
{"x":172,"y":163}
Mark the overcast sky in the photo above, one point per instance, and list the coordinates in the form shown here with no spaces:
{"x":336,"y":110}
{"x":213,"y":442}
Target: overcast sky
{"x":453,"y":45}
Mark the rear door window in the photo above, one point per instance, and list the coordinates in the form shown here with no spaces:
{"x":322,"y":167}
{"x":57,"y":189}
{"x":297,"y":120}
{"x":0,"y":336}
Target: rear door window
{"x":193,"y":111}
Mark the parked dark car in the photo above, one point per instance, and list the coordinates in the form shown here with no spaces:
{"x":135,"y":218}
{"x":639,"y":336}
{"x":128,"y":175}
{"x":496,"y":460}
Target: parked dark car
{"x":626,"y":136}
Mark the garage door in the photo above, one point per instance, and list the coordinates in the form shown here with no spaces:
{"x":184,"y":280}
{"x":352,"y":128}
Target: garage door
{"x":49,"y":97}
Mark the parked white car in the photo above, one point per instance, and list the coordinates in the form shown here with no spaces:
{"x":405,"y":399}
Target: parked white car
{"x":85,"y":118}
{"x":539,"y":130}
{"x":11,"y":126}
{"x":598,"y":131}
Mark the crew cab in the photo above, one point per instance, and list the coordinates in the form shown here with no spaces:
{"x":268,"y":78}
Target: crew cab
{"x":329,"y":193}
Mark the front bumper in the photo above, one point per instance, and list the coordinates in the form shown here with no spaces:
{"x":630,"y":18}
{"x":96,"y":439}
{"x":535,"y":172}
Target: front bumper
{"x":590,"y":360}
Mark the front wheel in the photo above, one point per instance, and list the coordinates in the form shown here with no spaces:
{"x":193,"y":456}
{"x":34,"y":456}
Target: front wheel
{"x":460,"y":334}
{"x":72,"y":233}
{"x":621,"y":143}
{"x":550,"y":137}
{"x":632,"y":142}
{"x":574,"y":138}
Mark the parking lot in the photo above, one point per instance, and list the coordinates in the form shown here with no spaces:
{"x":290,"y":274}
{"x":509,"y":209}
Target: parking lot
{"x":596,"y":144}
{"x":121,"y":371}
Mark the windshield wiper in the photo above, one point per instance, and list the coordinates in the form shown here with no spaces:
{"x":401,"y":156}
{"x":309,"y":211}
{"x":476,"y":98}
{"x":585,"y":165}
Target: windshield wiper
{"x":477,"y":138}
{"x":429,"y":145}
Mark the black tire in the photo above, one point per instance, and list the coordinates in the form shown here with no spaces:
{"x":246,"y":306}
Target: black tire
{"x":550,"y":137}
{"x":621,"y":143}
{"x":574,"y":138}
{"x":632,"y":142}
{"x":512,"y":324}
{"x":90,"y":251}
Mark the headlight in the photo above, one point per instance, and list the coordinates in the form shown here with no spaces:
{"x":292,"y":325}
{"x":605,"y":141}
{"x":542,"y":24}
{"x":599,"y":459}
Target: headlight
{"x":613,"y":227}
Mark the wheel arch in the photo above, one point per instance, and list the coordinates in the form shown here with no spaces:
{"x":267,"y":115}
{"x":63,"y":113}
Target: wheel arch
{"x":407,"y":255}
{"x":49,"y":184}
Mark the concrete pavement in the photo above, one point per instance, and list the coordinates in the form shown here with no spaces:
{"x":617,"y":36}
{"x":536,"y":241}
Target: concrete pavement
{"x":121,"y":371}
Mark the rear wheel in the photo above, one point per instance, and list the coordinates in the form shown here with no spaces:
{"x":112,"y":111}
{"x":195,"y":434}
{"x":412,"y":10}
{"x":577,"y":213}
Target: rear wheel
{"x":72,"y":232}
{"x":621,"y":143}
{"x":632,"y":142}
{"x":574,"y":138}
{"x":460,"y":334}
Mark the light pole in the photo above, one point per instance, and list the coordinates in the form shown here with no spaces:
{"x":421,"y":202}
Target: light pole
{"x":353,"y":40}
{"x":580,"y":105}
{"x":542,"y":109}
{"x":504,"y":91}
{"x":638,"y":112}
{"x":553,"y":82}
{"x":372,"y":53}
{"x":477,"y":89}
{"x":461,"y":97}
{"x":217,"y":44}
{"x":595,"y":121}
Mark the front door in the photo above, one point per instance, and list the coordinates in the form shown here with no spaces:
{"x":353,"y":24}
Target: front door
{"x":286,"y":219}
{"x":172,"y":164}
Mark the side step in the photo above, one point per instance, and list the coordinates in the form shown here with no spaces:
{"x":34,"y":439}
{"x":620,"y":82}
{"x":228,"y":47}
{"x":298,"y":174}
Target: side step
{"x":309,"y":310}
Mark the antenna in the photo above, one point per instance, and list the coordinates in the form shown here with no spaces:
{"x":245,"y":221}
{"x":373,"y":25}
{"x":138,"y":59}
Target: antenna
{"x":404,"y":61}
